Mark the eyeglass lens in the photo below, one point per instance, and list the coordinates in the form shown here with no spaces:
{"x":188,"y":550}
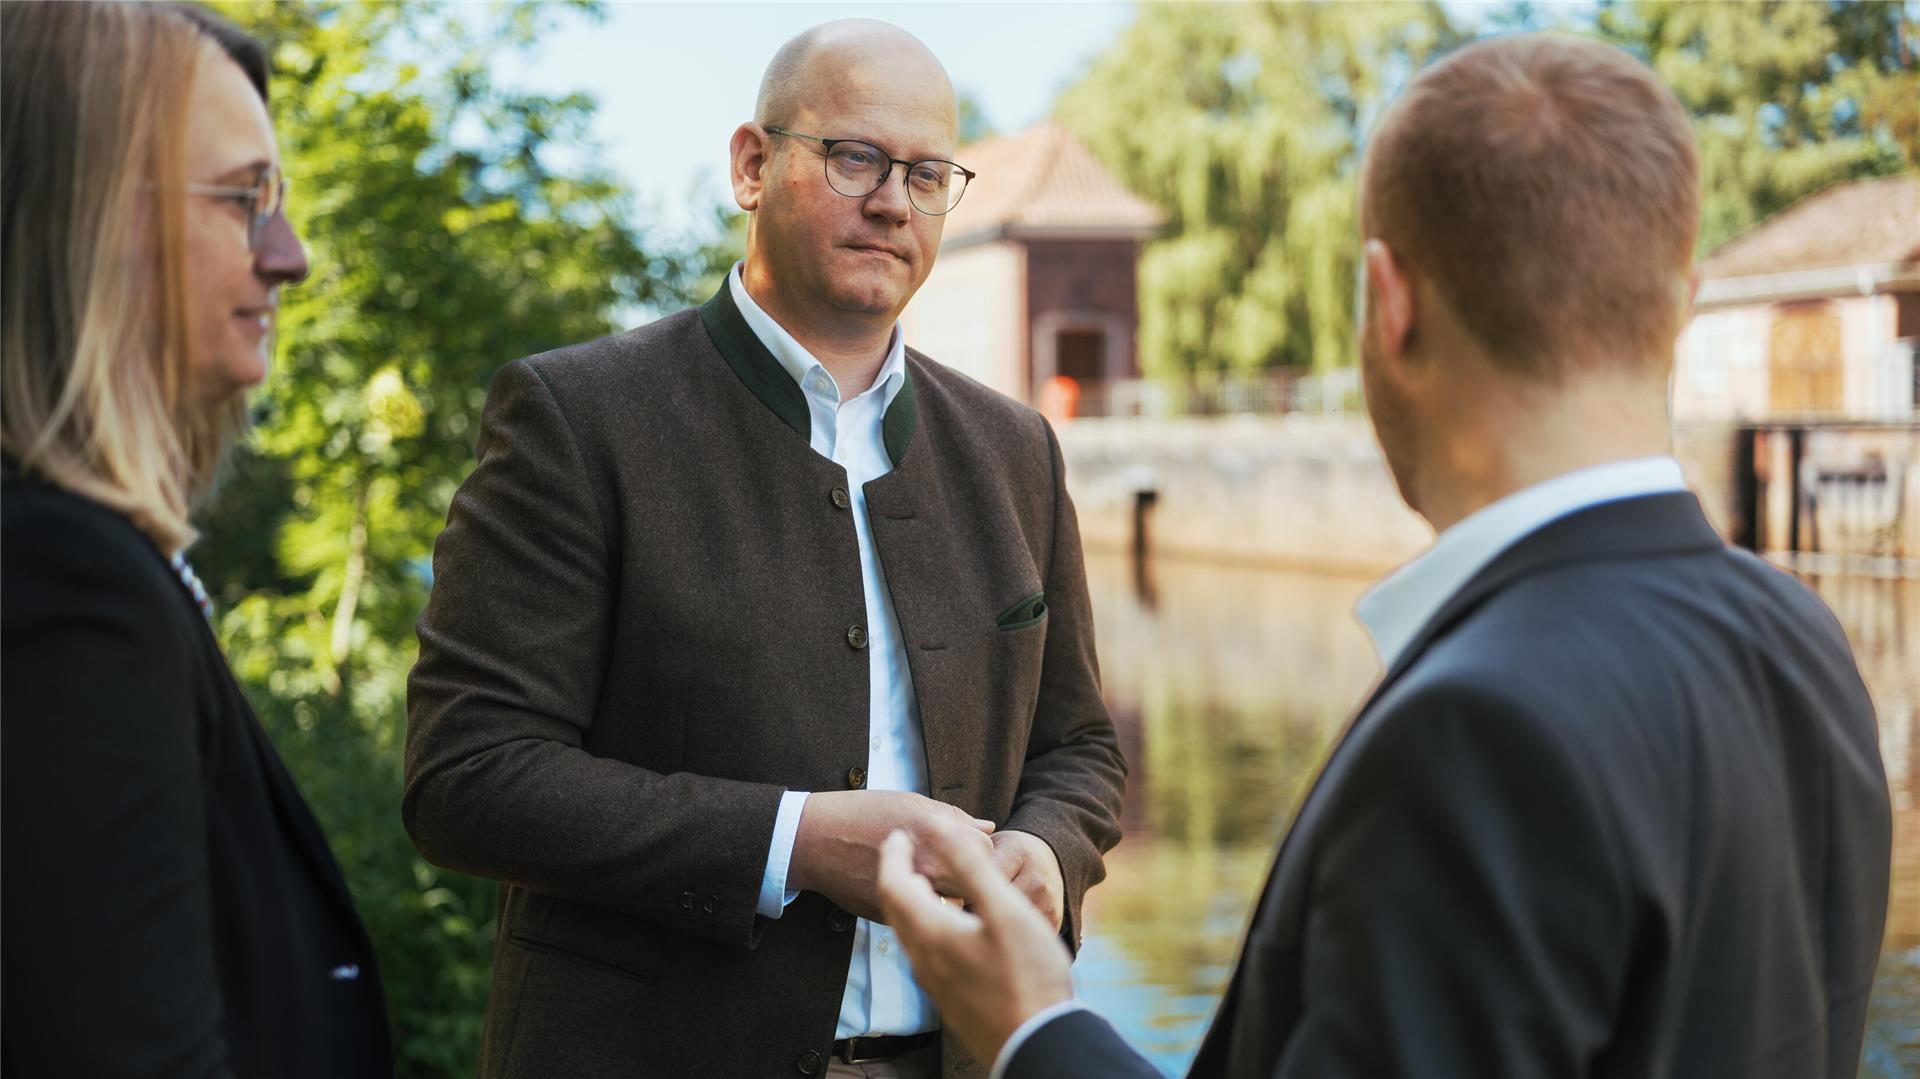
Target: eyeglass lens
{"x":269,"y":195}
{"x":856,"y":170}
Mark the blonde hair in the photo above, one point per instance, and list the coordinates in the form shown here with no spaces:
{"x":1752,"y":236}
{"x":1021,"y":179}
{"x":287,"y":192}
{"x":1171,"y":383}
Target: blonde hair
{"x":93,"y":305}
{"x":1548,"y":185}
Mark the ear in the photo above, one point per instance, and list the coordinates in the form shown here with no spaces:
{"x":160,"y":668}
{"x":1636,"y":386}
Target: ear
{"x":1390,"y":303}
{"x":747,"y":165}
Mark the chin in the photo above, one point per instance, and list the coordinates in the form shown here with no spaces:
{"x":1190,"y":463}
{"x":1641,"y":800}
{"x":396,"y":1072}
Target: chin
{"x":232,"y":377}
{"x":871,"y":300}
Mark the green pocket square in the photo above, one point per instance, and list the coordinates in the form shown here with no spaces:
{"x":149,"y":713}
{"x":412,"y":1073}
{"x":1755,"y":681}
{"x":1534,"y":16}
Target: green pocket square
{"x":1024,"y":613}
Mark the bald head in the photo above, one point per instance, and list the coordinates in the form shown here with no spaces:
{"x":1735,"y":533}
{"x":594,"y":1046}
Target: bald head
{"x":849,"y":57}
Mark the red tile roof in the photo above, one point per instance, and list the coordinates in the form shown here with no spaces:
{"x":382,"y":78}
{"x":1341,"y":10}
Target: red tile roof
{"x":1044,"y":178}
{"x":1855,"y":223}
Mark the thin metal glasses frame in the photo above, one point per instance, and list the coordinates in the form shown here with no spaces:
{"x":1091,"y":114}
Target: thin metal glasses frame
{"x":261,"y":208}
{"x":826,"y":163}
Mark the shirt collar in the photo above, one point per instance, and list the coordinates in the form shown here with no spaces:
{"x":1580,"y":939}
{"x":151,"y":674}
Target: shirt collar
{"x":800,"y":364}
{"x":1395,"y":610}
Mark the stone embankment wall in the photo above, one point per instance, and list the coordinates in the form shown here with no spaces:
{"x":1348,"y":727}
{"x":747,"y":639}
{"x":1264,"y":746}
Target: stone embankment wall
{"x":1312,"y":492}
{"x":1309,"y":492}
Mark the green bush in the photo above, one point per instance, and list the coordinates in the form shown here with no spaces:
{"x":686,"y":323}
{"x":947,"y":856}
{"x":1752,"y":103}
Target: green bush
{"x":436,"y":258}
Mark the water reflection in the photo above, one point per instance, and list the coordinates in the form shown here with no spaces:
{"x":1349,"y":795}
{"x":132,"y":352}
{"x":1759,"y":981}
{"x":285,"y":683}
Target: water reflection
{"x":1229,"y":686}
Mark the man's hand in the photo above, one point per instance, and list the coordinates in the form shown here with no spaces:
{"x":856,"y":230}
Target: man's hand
{"x":1026,"y":861}
{"x":836,"y":849}
{"x":989,"y":969}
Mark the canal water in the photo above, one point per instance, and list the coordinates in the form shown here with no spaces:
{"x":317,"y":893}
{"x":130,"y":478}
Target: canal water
{"x":1228,"y":685}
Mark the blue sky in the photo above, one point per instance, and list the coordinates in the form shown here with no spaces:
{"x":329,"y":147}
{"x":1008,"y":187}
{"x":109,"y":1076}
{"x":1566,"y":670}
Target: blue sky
{"x":674,"y":79}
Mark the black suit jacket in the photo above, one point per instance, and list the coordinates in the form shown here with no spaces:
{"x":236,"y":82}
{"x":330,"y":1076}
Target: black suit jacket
{"x":171,"y":907}
{"x":1618,"y":810}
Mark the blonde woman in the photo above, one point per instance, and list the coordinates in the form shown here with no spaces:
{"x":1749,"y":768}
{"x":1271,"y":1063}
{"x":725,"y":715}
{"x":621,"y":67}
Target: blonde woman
{"x":171,"y":907}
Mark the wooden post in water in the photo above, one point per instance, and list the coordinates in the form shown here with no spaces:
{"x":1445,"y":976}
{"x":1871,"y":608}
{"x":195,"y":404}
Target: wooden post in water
{"x":1143,"y":503}
{"x":1746,"y":489}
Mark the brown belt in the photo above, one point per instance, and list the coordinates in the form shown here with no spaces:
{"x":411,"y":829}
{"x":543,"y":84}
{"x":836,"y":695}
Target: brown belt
{"x":885,"y":1047}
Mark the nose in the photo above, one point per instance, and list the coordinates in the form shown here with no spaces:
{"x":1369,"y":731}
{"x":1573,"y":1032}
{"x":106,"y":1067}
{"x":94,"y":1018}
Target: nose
{"x":888,"y":202}
{"x":280,"y":258}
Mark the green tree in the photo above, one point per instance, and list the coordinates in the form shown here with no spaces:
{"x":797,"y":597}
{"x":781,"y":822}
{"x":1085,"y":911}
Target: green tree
{"x":1244,"y":123}
{"x":444,"y":244}
{"x":1787,"y":97}
{"x":975,"y":126}
{"x":724,"y":243}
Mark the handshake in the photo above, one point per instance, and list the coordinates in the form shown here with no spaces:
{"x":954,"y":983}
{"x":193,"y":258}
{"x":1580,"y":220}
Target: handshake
{"x":836,"y":852}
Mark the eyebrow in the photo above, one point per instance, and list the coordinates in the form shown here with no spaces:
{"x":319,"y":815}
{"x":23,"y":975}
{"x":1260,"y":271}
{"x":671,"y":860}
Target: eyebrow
{"x":889,"y":153}
{"x":249,"y":170}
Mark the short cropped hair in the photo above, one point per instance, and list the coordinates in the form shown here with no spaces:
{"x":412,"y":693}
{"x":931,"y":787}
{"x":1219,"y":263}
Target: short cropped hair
{"x":1548,"y":186}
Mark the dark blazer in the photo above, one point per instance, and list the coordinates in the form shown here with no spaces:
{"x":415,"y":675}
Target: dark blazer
{"x":646,"y":624}
{"x":171,"y":907}
{"x":1619,"y":811}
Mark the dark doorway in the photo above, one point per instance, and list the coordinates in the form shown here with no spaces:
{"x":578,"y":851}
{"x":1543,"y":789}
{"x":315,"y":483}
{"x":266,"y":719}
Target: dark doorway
{"x":1081,"y":355}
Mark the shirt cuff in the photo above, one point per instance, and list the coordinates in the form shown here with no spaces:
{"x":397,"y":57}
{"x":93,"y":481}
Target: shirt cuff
{"x":1026,"y":1030}
{"x":774,"y":895}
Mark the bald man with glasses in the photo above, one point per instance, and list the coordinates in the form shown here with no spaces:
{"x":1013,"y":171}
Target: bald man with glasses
{"x":732,"y":596}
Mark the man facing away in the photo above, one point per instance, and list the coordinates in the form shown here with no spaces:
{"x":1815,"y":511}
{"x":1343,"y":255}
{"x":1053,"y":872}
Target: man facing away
{"x":730,"y":597}
{"x":1617,"y":806}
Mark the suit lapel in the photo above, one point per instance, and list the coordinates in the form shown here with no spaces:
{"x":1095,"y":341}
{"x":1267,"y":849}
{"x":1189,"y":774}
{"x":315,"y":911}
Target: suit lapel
{"x":293,"y":810}
{"x":1640,"y":527}
{"x":1643,"y":527}
{"x":299,"y":818}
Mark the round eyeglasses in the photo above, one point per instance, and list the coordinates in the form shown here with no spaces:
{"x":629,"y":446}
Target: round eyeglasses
{"x":265,"y":198}
{"x":856,"y":169}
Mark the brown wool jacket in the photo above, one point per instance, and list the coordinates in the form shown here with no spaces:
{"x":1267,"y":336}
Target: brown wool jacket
{"x":641,"y":633}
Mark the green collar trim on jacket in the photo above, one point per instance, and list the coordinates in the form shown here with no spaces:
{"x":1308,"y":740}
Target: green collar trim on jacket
{"x":903,"y":416}
{"x":753,"y":363}
{"x":775,"y":388}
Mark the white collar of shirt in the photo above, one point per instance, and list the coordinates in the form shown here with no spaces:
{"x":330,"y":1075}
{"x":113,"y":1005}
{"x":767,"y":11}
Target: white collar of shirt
{"x":808,"y":372}
{"x":1396,"y":609}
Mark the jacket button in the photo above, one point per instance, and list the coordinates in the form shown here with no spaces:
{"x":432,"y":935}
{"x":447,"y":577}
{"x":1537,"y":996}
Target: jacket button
{"x":687,"y":900}
{"x":857,"y":637}
{"x":712,"y":904}
{"x":839,"y":921}
{"x":840,"y":498}
{"x":856,"y":778}
{"x":809,"y":1063}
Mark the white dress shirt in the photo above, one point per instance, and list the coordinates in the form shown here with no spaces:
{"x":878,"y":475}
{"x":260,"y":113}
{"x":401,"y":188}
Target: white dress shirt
{"x":1396,"y":609}
{"x":881,"y":995}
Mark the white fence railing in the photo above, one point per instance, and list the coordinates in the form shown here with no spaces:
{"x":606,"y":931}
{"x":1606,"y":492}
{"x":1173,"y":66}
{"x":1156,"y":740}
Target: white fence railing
{"x":1267,"y":394}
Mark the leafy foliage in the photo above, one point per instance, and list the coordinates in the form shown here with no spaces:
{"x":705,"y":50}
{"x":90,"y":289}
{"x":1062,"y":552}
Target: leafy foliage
{"x":443,"y":244}
{"x":1244,"y":123}
{"x":1787,"y":97}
